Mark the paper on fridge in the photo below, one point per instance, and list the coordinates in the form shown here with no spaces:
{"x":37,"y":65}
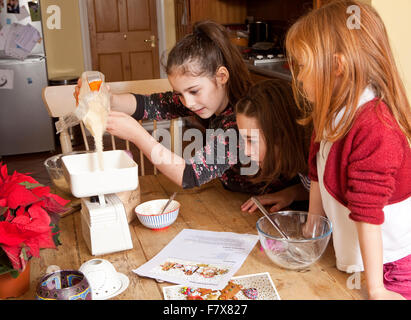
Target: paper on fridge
{"x":11,"y":48}
{"x":28,"y":38}
{"x":24,"y":13}
{"x":200,"y":258}
{"x":3,"y":36}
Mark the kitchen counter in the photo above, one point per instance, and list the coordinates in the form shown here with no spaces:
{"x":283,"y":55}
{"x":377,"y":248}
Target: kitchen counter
{"x":270,"y":70}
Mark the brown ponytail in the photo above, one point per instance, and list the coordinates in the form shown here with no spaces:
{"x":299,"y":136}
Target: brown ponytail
{"x":202,"y":52}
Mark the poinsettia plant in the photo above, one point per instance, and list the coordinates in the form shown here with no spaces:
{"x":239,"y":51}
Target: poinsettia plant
{"x":29,"y":216}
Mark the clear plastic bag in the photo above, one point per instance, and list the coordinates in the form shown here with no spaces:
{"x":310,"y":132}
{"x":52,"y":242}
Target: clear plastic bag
{"x":94,"y":103}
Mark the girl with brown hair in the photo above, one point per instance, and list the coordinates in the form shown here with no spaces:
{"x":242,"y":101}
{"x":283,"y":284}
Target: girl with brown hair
{"x":208,"y":76}
{"x":269,"y":109}
{"x":360,"y":155}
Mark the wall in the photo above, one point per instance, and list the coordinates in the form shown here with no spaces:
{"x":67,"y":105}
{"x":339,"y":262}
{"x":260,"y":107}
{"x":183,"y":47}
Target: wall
{"x":64,"y":46}
{"x":170,"y":24}
{"x":396,"y":16}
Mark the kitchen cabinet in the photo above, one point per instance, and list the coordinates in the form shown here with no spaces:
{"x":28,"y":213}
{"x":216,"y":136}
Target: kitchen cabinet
{"x":187,"y":12}
{"x":229,"y":12}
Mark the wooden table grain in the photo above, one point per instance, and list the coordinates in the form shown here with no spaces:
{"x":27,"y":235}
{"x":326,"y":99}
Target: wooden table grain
{"x":209,"y":207}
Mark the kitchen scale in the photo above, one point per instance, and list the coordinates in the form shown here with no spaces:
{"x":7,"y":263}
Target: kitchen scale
{"x":103,"y":217}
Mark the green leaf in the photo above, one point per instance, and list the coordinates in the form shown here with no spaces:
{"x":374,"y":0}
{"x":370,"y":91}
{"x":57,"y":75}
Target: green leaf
{"x":3,"y":210}
{"x":29,"y":185}
{"x":14,"y":273}
{"x":56,"y":234}
{"x":24,"y":254}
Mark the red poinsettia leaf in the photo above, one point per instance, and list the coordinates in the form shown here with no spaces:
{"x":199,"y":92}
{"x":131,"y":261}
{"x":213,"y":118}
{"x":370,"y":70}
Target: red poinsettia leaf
{"x":10,"y":234}
{"x":22,"y":220}
{"x":41,"y":191}
{"x":20,"y":196}
{"x":52,"y":206}
{"x":17,"y":177}
{"x":13,"y":254}
{"x":41,"y":241}
{"x":59,"y":199}
{"x":40,"y":220}
{"x":6,"y":188}
{"x":3,"y":172}
{"x":22,"y":211}
{"x":28,"y":217}
{"x":8,"y":216}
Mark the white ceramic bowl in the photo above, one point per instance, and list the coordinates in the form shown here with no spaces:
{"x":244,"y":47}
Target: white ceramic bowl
{"x":148,"y":213}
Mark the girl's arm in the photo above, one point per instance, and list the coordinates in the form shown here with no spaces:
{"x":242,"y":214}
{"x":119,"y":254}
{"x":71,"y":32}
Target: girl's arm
{"x":315,"y":208}
{"x":280,"y":199}
{"x":370,"y":238}
{"x":125,"y":127}
{"x":316,"y":204}
{"x":123,"y":103}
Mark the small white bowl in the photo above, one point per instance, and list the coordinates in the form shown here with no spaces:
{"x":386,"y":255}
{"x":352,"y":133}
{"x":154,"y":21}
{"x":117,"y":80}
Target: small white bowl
{"x":148,"y":213}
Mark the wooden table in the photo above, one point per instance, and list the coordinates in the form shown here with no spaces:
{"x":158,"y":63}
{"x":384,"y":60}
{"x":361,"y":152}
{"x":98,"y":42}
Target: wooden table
{"x":210,"y":207}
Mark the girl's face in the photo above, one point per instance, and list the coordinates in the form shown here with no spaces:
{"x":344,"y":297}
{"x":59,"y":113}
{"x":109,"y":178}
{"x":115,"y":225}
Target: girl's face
{"x":255,"y":144}
{"x":200,"y":94}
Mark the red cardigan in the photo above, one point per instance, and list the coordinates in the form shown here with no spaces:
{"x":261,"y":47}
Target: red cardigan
{"x":370,"y":167}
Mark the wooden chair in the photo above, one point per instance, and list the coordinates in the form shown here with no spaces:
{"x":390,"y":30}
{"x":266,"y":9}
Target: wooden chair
{"x":60,"y":101}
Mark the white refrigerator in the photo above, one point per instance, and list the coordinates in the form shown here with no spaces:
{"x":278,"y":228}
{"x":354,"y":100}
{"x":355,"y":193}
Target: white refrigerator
{"x":25,"y":125}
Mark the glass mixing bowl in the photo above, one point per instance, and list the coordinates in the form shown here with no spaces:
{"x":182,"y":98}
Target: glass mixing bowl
{"x":54,"y":167}
{"x":307,"y":239}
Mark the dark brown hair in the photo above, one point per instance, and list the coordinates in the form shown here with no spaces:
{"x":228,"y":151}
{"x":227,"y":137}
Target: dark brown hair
{"x":202,"y":52}
{"x":272,"y":104}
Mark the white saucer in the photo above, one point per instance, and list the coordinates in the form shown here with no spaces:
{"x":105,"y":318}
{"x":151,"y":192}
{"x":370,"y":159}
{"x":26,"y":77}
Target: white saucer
{"x":124,"y":285}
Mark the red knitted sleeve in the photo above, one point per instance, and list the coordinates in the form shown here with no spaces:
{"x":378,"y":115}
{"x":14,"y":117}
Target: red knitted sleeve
{"x":312,"y":159}
{"x":377,"y":152}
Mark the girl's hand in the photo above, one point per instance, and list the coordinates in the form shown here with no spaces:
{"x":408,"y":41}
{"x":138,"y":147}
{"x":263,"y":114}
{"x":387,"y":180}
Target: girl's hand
{"x":77,"y":90}
{"x":280,"y":200}
{"x":122,"y":125}
{"x":383,"y":294}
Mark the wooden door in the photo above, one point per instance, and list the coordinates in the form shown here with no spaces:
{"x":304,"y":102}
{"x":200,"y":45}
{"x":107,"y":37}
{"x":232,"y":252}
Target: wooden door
{"x":124,"y":39}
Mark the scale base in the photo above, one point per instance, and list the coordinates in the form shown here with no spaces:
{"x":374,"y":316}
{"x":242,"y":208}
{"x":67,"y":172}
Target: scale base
{"x":105,"y":228}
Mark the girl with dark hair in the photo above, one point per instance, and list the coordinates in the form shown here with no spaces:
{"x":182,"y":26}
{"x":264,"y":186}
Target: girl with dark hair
{"x":208,"y":76}
{"x":269,"y":109}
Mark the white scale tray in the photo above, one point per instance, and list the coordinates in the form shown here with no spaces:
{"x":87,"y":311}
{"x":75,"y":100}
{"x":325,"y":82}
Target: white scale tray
{"x":86,"y":179}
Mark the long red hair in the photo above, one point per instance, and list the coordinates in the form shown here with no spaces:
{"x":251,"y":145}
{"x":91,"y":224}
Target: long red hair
{"x":315,"y":40}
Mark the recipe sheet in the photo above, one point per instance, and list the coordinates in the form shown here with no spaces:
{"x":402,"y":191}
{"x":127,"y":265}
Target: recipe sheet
{"x":200,"y":258}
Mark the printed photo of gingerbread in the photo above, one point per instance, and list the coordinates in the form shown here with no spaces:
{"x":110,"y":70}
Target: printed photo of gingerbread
{"x":167,"y":266}
{"x":230,"y":290}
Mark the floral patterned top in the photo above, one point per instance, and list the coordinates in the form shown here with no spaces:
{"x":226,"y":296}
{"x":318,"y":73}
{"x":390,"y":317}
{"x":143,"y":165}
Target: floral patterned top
{"x":223,"y":165}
